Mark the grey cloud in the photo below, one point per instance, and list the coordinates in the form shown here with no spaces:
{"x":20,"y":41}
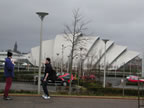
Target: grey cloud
{"x":118,"y":20}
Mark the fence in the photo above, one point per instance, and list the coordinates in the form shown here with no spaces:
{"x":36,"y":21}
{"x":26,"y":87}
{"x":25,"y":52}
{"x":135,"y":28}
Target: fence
{"x":140,"y":94}
{"x":26,"y":80}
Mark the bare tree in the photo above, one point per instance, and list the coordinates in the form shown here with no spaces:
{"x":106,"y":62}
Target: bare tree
{"x":73,"y":34}
{"x":98,"y":66}
{"x":92,"y":65}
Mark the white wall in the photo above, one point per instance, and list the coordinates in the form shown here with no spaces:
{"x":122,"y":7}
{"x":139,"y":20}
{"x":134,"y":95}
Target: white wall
{"x":94,"y":49}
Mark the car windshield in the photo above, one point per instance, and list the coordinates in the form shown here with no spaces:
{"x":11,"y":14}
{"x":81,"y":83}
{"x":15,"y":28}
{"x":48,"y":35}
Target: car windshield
{"x":134,"y":78}
{"x":67,"y":76}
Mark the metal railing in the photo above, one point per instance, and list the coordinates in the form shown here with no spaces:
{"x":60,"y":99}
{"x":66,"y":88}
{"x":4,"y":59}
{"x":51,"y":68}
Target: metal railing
{"x":140,"y":94}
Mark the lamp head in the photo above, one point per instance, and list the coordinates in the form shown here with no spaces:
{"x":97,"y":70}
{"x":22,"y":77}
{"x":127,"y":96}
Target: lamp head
{"x":105,"y":40}
{"x":41,"y":15}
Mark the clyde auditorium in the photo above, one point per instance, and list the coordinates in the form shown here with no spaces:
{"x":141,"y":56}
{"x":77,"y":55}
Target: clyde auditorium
{"x":91,"y":50}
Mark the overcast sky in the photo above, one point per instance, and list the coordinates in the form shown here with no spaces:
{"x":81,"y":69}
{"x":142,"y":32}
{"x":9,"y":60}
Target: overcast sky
{"x":119,"y":20}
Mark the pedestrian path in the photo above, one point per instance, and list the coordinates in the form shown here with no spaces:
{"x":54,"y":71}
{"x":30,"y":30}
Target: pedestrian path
{"x":17,"y":86}
{"x":61,"y":102}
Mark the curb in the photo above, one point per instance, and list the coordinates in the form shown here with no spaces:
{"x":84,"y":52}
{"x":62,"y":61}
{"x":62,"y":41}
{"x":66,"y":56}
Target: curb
{"x":98,"y":97}
{"x":64,"y":96}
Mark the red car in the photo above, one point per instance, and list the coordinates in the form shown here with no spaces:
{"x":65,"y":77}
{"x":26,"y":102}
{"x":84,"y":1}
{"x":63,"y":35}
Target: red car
{"x":66,"y":77}
{"x":135,"y":79}
{"x":90,"y":77}
{"x":63,"y":80}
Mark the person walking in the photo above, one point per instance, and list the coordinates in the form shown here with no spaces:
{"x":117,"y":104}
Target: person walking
{"x":47,"y":75}
{"x":9,"y":74}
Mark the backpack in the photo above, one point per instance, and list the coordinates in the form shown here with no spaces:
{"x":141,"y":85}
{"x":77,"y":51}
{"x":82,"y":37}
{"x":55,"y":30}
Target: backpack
{"x":52,"y":76}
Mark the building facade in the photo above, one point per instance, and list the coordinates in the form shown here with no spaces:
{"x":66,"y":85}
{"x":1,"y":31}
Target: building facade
{"x":89,"y":53}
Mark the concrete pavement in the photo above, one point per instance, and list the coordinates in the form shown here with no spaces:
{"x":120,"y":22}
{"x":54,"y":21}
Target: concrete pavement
{"x":62,"y":102}
{"x":26,"y":86}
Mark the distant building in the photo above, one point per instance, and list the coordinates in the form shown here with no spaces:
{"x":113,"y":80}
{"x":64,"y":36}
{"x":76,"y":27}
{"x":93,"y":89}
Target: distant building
{"x":133,"y":66}
{"x":18,"y":58}
{"x":15,"y":47}
{"x":91,"y":54}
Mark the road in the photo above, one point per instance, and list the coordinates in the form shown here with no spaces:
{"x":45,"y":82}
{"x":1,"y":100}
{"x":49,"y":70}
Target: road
{"x":29,"y":86}
{"x":61,"y":102}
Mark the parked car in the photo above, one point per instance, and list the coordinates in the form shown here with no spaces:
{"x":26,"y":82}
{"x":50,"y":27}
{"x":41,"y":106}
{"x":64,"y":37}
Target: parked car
{"x":134,"y":79}
{"x":129,"y":76}
{"x":90,"y":77}
{"x":62,"y":80}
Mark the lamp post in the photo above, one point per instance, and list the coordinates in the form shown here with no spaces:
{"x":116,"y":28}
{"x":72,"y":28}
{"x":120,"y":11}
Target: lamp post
{"x":142,"y":74}
{"x":57,"y":62}
{"x":68,"y":64}
{"x":81,"y":61}
{"x":62,"y":59}
{"x":41,"y":15}
{"x":104,"y":79}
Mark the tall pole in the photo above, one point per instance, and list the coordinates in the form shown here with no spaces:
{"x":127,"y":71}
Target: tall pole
{"x":130,"y":68}
{"x":123,"y":82}
{"x":70,"y":71}
{"x":104,"y":79}
{"x":62,"y":59}
{"x":41,"y":15}
{"x":80,"y":61}
{"x":143,"y":65}
{"x":68,"y":64}
{"x":82,"y":68}
{"x":115,"y":71}
{"x":57,"y":62}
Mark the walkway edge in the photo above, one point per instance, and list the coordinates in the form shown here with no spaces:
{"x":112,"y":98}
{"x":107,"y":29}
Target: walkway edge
{"x":72,"y":96}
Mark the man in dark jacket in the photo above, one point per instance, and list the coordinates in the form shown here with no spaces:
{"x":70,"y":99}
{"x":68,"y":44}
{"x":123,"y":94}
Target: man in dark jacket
{"x":47,"y":74}
{"x":9,"y":74}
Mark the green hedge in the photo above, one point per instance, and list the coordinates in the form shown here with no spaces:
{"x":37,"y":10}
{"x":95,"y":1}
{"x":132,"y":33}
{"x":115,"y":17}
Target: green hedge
{"x":113,"y":91}
{"x":95,"y":88}
{"x":90,"y":83}
{"x":20,"y":76}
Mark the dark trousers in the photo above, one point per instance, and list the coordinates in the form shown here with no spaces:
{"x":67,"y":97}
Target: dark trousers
{"x":44,"y":85}
{"x":7,"y":86}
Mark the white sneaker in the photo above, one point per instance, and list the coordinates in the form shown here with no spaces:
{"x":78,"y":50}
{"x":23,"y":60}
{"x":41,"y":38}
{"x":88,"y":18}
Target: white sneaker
{"x":46,"y":97}
{"x":43,"y":96}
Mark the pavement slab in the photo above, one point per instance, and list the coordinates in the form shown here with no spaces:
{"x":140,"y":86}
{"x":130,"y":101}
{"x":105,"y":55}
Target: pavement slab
{"x":61,"y":102}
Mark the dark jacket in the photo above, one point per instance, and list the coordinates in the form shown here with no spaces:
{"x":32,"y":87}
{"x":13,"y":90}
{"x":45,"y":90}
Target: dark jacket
{"x":49,"y":70}
{"x":8,"y":68}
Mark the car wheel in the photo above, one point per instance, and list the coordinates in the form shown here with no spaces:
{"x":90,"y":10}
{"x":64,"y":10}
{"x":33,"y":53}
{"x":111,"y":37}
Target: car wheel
{"x":64,"y":84}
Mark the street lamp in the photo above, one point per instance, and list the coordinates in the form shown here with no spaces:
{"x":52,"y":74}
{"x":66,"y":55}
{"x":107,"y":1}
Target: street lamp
{"x":68,"y":65}
{"x":41,"y":15}
{"x":104,"y":79}
{"x":142,"y":74}
{"x":81,"y":60}
{"x":57,"y":61}
{"x":62,"y":65}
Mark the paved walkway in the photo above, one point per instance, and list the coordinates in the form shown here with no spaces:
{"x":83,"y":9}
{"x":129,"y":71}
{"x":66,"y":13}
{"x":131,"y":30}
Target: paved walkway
{"x":61,"y":102}
{"x":25,"y":86}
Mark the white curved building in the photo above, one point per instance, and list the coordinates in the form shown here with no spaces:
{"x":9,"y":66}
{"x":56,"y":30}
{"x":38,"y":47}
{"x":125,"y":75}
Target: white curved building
{"x":90,"y":50}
